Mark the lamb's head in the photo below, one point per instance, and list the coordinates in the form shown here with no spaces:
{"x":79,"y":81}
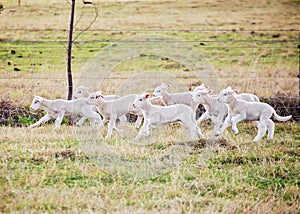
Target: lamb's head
{"x":226,"y":94}
{"x":81,"y":92}
{"x":140,"y":101}
{"x":160,"y":90}
{"x":201,"y":87}
{"x":199,"y":95}
{"x":36,"y":103}
{"x":95,"y":98}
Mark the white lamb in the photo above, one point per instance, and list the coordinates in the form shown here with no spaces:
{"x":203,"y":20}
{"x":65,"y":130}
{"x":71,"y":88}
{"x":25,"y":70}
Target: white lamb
{"x":175,"y":98}
{"x":156,"y":115}
{"x":57,"y":109}
{"x":215,"y":110}
{"x":112,"y":109}
{"x":244,"y":110}
{"x":83,"y":92}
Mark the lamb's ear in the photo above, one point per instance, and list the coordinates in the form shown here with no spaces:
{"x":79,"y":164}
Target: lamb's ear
{"x":236,"y":91}
{"x":147,"y":95}
{"x":86,"y":88}
{"x":165,"y":85}
{"x":229,"y":88}
{"x":202,"y":86}
{"x":37,"y":97}
{"x":98,"y":96}
{"x":210,"y":91}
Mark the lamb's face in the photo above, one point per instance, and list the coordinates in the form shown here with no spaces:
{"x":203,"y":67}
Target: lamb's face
{"x":35,"y":105}
{"x":81,"y":92}
{"x":160,"y":90}
{"x":140,"y":101}
{"x":198,"y":96}
{"x":225,"y":95}
{"x":92,"y":99}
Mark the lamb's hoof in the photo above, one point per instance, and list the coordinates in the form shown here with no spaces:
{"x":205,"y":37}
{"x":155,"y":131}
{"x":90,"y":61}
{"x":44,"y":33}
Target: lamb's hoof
{"x":235,"y":132}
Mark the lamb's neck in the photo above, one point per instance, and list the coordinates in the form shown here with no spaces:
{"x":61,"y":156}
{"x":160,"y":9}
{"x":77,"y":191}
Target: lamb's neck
{"x":232,"y":100}
{"x":101,"y":103}
{"x":147,"y":107}
{"x":46,"y":104}
{"x":207,"y":102}
{"x":168,"y":98}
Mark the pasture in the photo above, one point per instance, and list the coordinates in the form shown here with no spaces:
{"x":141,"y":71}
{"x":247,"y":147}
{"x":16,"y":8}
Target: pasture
{"x":251,"y":45}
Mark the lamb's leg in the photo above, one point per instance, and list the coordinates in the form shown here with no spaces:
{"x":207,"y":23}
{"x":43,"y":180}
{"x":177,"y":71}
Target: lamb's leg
{"x":140,"y":134}
{"x":192,"y":126}
{"x":138,"y":121}
{"x":234,"y":120}
{"x":81,"y":121}
{"x":204,"y":116}
{"x":270,"y":127}
{"x":111,"y":125}
{"x":59,"y":118}
{"x":123,"y":119}
{"x":226,"y":123}
{"x":262,"y":128}
{"x":198,"y":130}
{"x":144,"y":131}
{"x":147,"y":129}
{"x":44,"y":119}
{"x":93,"y":117}
{"x":104,"y":121}
{"x":217,"y":124}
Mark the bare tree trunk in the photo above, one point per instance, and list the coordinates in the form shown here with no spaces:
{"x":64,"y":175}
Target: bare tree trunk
{"x":69,"y":71}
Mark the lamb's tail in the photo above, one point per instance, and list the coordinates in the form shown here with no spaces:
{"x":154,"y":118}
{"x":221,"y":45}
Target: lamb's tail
{"x":280,"y":118}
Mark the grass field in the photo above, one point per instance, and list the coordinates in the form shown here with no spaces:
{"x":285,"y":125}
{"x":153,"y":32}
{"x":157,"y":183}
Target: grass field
{"x":251,"y":45}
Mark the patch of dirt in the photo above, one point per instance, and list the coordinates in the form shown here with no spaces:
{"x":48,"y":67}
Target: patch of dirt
{"x":65,"y":154}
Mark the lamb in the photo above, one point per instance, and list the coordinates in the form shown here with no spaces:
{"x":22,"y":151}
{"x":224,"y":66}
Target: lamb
{"x":244,"y":110}
{"x":113,"y":109}
{"x":57,"y":109}
{"x":83,"y":92}
{"x":176,"y":98}
{"x":215,"y":110}
{"x":156,"y":115}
